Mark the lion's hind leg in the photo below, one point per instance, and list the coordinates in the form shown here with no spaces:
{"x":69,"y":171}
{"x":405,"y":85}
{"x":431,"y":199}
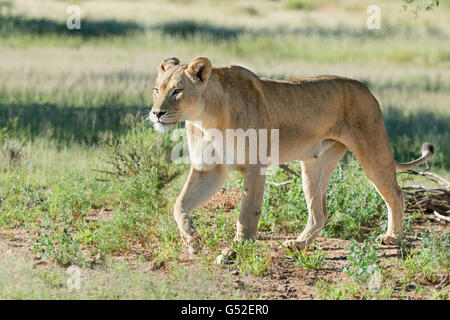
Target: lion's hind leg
{"x":316,"y":175}
{"x":379,"y":166}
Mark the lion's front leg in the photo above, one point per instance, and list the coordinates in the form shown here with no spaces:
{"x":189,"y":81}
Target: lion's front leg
{"x":199,"y":187}
{"x":247,"y":225}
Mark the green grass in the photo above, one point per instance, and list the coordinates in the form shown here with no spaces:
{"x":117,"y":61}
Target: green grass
{"x":349,"y":290}
{"x":356,"y":210}
{"x":215,"y":227}
{"x":371,"y":278}
{"x":363,"y":262}
{"x":343,"y":291}
{"x":21,"y":280}
{"x":309,"y":258}
{"x":251,"y":258}
{"x":431,"y":263}
{"x":90,"y":97}
{"x":130,"y":177}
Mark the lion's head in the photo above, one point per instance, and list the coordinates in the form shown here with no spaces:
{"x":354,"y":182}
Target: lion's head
{"x":178,"y":91}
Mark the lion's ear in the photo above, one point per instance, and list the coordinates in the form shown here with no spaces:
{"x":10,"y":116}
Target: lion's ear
{"x":168,"y":63}
{"x":199,"y":70}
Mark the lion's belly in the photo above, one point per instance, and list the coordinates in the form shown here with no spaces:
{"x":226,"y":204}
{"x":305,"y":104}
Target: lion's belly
{"x":304,"y":151}
{"x":272,"y":148}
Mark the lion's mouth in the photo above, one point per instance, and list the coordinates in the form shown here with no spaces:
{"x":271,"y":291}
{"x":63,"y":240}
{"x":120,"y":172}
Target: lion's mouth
{"x":163,"y":126}
{"x":167,"y":119}
{"x":165,"y":123}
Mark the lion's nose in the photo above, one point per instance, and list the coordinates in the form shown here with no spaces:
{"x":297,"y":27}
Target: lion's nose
{"x":158,"y":114}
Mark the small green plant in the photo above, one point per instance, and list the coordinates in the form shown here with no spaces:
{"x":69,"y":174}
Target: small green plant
{"x":214,"y":227}
{"x":169,"y":249}
{"x":140,"y":169}
{"x":284,"y":207}
{"x":140,"y":150}
{"x":342,"y":291}
{"x":440,"y":295}
{"x":54,"y":241}
{"x":382,"y":293}
{"x":251,"y":257}
{"x":363,"y":262}
{"x":69,"y":250}
{"x":349,"y":290}
{"x":142,"y":216}
{"x":69,"y":200}
{"x":431,"y":263}
{"x":356,"y":210}
{"x":20,"y":201}
{"x":42,"y":246}
{"x":308,"y":258}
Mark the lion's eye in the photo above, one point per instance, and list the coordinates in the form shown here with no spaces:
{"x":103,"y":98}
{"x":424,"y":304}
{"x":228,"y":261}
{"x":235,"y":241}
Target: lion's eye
{"x":177,"y":92}
{"x":155,"y":91}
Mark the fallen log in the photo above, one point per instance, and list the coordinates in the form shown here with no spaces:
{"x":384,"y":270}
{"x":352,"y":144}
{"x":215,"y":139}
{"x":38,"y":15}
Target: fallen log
{"x":434,"y":200}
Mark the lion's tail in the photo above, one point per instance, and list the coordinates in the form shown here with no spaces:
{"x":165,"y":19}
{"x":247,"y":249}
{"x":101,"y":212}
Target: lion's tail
{"x":427,"y":153}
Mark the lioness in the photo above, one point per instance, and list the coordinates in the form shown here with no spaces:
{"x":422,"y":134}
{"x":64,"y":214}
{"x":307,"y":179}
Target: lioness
{"x":318,"y":118}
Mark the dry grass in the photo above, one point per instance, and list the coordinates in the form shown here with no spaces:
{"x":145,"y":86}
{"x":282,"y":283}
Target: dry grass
{"x":22,"y":278}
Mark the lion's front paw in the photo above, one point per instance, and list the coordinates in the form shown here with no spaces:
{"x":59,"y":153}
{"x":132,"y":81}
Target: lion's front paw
{"x":194,"y":243}
{"x":389,"y":239}
{"x":294,"y":244}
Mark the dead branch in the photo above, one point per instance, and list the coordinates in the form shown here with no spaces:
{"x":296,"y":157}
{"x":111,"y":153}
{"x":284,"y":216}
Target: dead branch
{"x":445,"y":182}
{"x":440,"y":216}
{"x":434,"y":200}
{"x":279,"y":184}
{"x":436,"y":178}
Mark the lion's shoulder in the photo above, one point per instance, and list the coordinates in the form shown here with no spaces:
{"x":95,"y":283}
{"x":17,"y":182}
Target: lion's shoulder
{"x":235,"y":72}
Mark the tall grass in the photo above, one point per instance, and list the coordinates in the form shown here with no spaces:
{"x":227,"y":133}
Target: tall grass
{"x":80,"y":88}
{"x":83,"y":179}
{"x":20,"y":279}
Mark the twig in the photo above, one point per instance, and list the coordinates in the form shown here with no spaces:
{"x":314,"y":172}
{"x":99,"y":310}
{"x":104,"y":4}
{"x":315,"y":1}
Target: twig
{"x":279,"y":184}
{"x":437,"y":178}
{"x":446,"y":182}
{"x":443,"y":283}
{"x":289,"y":170}
{"x":420,"y":188}
{"x":440,"y":216}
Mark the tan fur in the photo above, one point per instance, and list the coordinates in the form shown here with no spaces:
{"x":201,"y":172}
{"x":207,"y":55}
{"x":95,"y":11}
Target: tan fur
{"x":318,"y":119}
